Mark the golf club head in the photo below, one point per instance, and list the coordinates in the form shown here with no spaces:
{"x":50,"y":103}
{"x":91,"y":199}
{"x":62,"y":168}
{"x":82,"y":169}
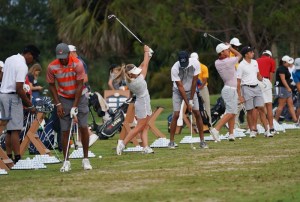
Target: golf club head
{"x":205,"y":34}
{"x":111,"y":16}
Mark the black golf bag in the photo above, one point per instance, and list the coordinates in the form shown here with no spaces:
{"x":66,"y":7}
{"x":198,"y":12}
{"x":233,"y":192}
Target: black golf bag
{"x":203,"y":113}
{"x":217,"y":110}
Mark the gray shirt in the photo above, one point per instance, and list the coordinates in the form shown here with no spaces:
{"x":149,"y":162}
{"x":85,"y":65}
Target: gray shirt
{"x":226,"y":69}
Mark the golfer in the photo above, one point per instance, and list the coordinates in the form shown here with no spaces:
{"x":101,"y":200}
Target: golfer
{"x":135,"y":80}
{"x":184,"y":75}
{"x":68,"y":73}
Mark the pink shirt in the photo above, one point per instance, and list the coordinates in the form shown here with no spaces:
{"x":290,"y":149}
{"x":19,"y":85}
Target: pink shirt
{"x":226,"y":69}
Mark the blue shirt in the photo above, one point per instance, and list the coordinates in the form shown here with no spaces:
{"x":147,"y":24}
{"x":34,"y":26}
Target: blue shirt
{"x":296,"y":76}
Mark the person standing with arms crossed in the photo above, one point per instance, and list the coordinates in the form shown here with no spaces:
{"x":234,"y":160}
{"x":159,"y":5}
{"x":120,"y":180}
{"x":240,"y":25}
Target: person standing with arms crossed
{"x":184,"y":75}
{"x":12,"y":97}
{"x":68,"y":73}
{"x":225,"y":66}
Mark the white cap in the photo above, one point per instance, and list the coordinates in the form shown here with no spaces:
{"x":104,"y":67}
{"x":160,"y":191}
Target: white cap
{"x":267,"y":52}
{"x":287,"y":59}
{"x":135,"y":70}
{"x":1,"y":64}
{"x":194,"y":55}
{"x":235,"y":41}
{"x":222,"y":47}
{"x":72,"y":48}
{"x":297,"y":63}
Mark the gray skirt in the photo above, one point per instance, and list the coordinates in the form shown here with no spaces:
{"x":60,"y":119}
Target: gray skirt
{"x":142,"y":107}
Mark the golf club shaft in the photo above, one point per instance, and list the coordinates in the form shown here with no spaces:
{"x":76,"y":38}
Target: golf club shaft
{"x":191,"y":119}
{"x":215,"y":38}
{"x":129,"y":30}
{"x":68,"y":145}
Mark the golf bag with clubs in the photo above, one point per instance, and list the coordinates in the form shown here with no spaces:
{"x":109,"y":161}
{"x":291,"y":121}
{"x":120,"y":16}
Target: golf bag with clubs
{"x":113,"y":120}
{"x":217,"y":111}
{"x":203,"y":113}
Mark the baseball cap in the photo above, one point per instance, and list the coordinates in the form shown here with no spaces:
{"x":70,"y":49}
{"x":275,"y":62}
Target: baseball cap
{"x":235,"y":41}
{"x":194,"y":55}
{"x":35,"y":52}
{"x":297,"y":63}
{"x":246,"y":49}
{"x":183,"y":58}
{"x":220,"y":47}
{"x":135,"y":70}
{"x":1,"y":64}
{"x":72,"y":48}
{"x":267,"y":52}
{"x":62,"y":51}
{"x":287,"y":59}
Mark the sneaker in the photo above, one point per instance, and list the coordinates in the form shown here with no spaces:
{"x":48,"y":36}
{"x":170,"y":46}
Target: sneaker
{"x":253,"y":134}
{"x":203,"y":145}
{"x":79,"y":144}
{"x":120,"y":147}
{"x":66,"y":167}
{"x":86,"y":164}
{"x":268,"y":134}
{"x":148,"y":150}
{"x":171,"y":145}
{"x":231,"y":137}
{"x":93,"y":139}
{"x":272,"y":131}
{"x":215,"y":134}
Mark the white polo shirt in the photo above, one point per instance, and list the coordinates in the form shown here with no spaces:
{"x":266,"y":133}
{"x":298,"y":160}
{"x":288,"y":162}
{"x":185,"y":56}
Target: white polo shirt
{"x":247,"y":72}
{"x":185,"y":75}
{"x":14,"y":70}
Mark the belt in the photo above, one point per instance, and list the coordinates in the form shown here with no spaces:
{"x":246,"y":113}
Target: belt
{"x":251,"y":86}
{"x":266,"y":77}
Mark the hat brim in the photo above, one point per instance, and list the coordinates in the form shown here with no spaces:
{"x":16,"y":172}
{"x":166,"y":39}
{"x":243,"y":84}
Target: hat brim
{"x":135,"y":70}
{"x":62,"y":56}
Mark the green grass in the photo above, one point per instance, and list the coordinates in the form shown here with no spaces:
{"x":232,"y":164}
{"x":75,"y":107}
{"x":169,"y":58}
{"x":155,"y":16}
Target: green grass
{"x":258,"y":169}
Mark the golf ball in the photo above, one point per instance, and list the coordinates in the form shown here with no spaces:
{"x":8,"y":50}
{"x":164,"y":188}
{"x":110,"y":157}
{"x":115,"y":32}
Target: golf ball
{"x":194,"y":147}
{"x":100,"y":157}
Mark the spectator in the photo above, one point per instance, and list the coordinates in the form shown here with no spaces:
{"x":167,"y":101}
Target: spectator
{"x":33,"y":75}
{"x":184,"y":75}
{"x":68,"y":73}
{"x":225,"y":66}
{"x":12,"y":96}
{"x":249,"y":92}
{"x":296,"y":77}
{"x":116,"y":78}
{"x":283,"y":83}
{"x":202,"y":86}
{"x":266,"y":66}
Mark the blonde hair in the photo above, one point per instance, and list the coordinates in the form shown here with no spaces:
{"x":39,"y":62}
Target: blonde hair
{"x":127,"y":68}
{"x":35,"y":67}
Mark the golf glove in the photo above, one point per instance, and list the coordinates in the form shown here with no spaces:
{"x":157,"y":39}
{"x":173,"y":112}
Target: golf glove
{"x":191,"y":103}
{"x":151,"y":52}
{"x":74,"y":112}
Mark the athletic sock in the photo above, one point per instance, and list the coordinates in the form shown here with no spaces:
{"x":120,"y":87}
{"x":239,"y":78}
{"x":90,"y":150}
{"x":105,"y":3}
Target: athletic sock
{"x":17,"y":158}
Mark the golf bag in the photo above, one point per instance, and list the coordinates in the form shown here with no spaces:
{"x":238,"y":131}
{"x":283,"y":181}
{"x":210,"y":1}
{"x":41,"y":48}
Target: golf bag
{"x":203,"y":113}
{"x":217,"y":110}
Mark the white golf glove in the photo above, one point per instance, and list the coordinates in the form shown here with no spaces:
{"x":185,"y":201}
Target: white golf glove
{"x":26,"y":88}
{"x":151,"y":52}
{"x":73,"y":112}
{"x":191,"y":103}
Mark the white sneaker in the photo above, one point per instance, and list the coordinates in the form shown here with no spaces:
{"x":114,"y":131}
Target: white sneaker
{"x":66,"y":167}
{"x":268,"y":134}
{"x":231,"y":137}
{"x":253,"y":134}
{"x":79,"y":144}
{"x":120,"y":147}
{"x":148,"y":150}
{"x":93,"y":139}
{"x":215,"y":134}
{"x":86,"y":164}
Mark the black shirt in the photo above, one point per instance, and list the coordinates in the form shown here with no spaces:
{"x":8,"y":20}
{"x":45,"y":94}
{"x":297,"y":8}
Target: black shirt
{"x":282,"y":70}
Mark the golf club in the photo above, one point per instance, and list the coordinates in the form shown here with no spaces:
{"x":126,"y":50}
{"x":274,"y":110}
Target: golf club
{"x":191,"y":119}
{"x":68,"y":145}
{"x":206,"y":34}
{"x":115,"y":17}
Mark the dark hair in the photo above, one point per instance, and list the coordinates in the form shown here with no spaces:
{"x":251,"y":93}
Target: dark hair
{"x":112,"y":66}
{"x":35,"y":52}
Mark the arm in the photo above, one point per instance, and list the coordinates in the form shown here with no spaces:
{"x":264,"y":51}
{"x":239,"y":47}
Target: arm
{"x":110,"y":85}
{"x":235,"y":52}
{"x":298,"y":87}
{"x":78,"y":92}
{"x":259,"y":77}
{"x":284,"y":82}
{"x":20,"y":91}
{"x":53,"y":91}
{"x":241,"y":98}
{"x":183,"y":94}
{"x":144,"y":65}
{"x":194,"y":83}
{"x":203,"y":83}
{"x":271,"y":77}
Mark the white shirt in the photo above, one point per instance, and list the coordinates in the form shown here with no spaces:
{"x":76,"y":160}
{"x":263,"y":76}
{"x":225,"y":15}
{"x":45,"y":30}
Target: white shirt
{"x":185,"y":75}
{"x":247,"y":72}
{"x":14,"y":70}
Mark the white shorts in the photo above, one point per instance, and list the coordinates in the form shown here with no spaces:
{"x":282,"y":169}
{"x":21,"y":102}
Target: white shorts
{"x":230,"y":97}
{"x":266,"y":88}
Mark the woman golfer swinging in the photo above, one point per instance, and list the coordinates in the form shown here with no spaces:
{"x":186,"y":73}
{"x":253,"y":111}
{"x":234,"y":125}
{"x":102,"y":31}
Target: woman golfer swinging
{"x":135,"y":79}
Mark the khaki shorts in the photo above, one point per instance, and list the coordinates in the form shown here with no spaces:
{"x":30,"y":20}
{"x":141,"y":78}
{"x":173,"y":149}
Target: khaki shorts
{"x":266,"y":88}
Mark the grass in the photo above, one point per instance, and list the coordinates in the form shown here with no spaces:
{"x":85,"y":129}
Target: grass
{"x":258,"y":169}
